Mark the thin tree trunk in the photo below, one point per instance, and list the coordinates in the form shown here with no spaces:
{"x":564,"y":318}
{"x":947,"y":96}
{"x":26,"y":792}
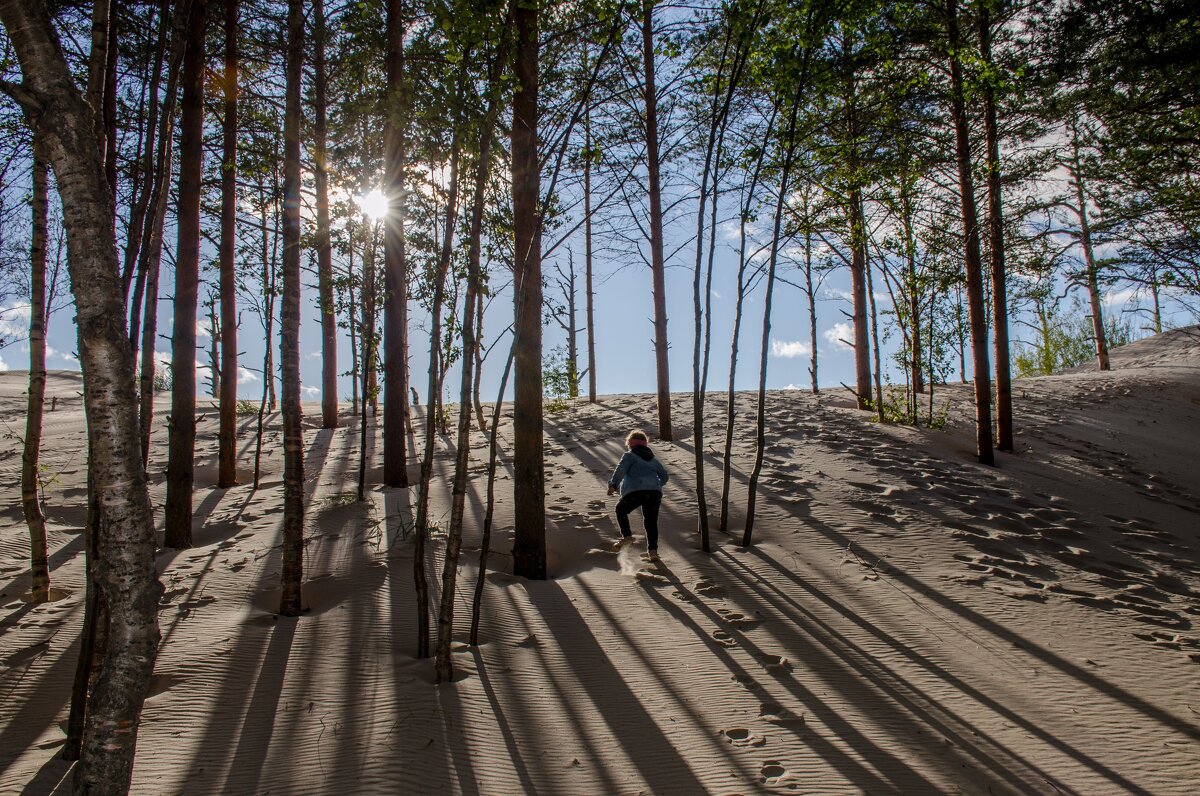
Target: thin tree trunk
{"x":730,"y":395}
{"x":811,"y":295}
{"x":485,"y":544}
{"x":444,"y":665}
{"x":433,"y":399}
{"x":761,"y":442}
{"x":477,"y":354}
{"x":1089,"y":257}
{"x":875,"y":343}
{"x":1004,"y":416}
{"x":858,"y":287}
{"x":395,"y":266}
{"x":658,"y":266}
{"x":329,"y":402}
{"x":227,"y":436}
{"x":368,"y":336}
{"x":146,"y":171}
{"x":39,"y":567}
{"x":590,"y":295}
{"x":97,"y":82}
{"x":292,"y":570}
{"x":975,"y":307}
{"x":182,"y":428}
{"x":126,"y":571}
{"x":529,"y":496}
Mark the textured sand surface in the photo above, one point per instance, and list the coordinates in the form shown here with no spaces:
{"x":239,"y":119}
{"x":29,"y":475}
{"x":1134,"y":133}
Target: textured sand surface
{"x":907,"y":621}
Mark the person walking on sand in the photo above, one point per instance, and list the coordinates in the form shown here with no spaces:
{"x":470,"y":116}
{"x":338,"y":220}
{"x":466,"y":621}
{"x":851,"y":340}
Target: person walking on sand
{"x":640,"y":477}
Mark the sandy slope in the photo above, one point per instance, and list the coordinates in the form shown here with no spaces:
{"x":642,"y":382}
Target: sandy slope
{"x":908,"y":622}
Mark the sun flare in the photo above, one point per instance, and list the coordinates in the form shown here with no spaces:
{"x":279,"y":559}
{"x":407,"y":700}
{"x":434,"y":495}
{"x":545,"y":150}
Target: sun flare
{"x":374,"y":204}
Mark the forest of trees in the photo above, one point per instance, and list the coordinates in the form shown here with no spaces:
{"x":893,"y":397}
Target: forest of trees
{"x":975,"y":163}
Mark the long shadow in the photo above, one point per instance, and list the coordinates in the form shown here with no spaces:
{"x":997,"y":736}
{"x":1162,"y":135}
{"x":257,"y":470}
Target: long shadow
{"x":891,"y":686}
{"x":506,"y":732}
{"x":1000,"y":631}
{"x":660,"y":764}
{"x":37,"y":713}
{"x":24,"y":582}
{"x":258,"y":724}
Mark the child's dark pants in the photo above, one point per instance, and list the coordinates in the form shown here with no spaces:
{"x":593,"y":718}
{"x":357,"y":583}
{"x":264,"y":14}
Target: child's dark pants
{"x":648,"y":500}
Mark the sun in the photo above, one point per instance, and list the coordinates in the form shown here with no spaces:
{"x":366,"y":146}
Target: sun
{"x":374,"y":204}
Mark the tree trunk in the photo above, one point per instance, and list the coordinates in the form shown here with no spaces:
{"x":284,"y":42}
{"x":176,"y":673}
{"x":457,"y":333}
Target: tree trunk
{"x":444,"y":665}
{"x":395,"y":310}
{"x":368,"y":337}
{"x":433,"y":401}
{"x":730,"y":395}
{"x":761,"y":441}
{"x":858,"y":287}
{"x":1089,"y":257}
{"x":529,"y":496}
{"x":182,"y":428}
{"x":590,"y":295}
{"x":39,"y":567}
{"x":811,"y":295}
{"x":975,"y":308}
{"x":875,"y":343}
{"x":1004,"y":418}
{"x":658,"y":266}
{"x":146,"y":171}
{"x":97,"y":82}
{"x":289,"y":330}
{"x":329,"y":402}
{"x":227,"y":436}
{"x":125,"y":571}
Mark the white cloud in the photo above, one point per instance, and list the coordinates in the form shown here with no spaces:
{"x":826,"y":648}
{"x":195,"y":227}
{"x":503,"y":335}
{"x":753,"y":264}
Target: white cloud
{"x":246,"y":376}
{"x":3,"y":365}
{"x":14,"y":321}
{"x":1119,"y":297}
{"x":840,"y":334}
{"x":790,"y":350}
{"x":311,"y":392}
{"x":793,"y":387}
{"x":716,"y":295}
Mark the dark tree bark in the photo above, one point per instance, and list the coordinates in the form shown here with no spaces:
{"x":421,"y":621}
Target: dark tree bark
{"x":529,"y":495}
{"x":227,"y":436}
{"x":39,"y":567}
{"x":1004,"y":418}
{"x":368,"y":337}
{"x":395,"y":309}
{"x":125,"y":571}
{"x":974,"y":275}
{"x":329,"y":399}
{"x":289,"y":329}
{"x":657,"y":263}
{"x":109,"y":109}
{"x":182,"y":428}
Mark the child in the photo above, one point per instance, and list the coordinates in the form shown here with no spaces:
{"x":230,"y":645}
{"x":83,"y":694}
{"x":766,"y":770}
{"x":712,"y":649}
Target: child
{"x":640,"y":478}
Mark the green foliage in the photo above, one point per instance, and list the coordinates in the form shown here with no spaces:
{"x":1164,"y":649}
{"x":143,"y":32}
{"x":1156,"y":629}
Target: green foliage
{"x":1065,"y":340}
{"x":559,"y":381}
{"x":245,"y":407}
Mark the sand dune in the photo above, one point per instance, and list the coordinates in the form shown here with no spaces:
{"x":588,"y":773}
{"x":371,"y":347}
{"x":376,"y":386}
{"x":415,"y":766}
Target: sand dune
{"x":907,"y":622}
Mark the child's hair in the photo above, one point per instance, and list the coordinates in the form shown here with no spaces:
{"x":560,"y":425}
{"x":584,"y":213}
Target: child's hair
{"x":639,"y":435}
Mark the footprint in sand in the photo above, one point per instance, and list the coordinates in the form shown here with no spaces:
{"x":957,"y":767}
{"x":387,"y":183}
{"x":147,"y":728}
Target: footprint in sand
{"x":776,"y":713}
{"x":772,"y":771}
{"x":706,"y":587}
{"x":740,"y":736}
{"x":736,"y":619}
{"x":724,"y":639}
{"x":775,"y":663}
